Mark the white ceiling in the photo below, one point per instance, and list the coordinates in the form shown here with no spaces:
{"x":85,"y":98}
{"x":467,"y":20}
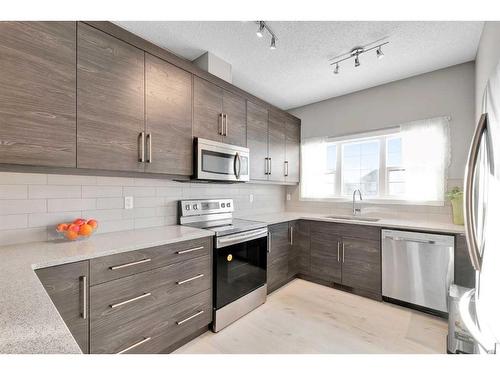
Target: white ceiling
{"x":298,"y":71}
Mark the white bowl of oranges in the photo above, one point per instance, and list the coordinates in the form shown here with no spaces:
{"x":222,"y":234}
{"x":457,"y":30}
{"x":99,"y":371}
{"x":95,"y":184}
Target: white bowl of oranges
{"x":78,"y":229}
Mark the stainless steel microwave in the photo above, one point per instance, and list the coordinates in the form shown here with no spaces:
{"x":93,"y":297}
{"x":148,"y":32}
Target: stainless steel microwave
{"x":216,"y":161}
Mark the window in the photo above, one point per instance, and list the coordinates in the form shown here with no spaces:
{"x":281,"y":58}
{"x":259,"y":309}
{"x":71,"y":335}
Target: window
{"x":388,"y":164}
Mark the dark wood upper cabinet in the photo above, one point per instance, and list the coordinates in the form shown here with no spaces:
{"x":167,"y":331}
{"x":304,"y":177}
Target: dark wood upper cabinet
{"x":292,"y":151}
{"x":277,"y":137}
{"x":169,"y":141}
{"x":110,"y":102}
{"x":361,"y":267}
{"x":37,"y":93}
{"x":234,"y":107}
{"x":257,"y":138}
{"x":210,"y":103}
{"x":67,"y":286}
{"x":207,"y":110}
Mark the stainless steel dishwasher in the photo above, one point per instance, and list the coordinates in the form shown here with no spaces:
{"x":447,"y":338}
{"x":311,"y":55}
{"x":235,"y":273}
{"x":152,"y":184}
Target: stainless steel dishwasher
{"x":417,"y":268}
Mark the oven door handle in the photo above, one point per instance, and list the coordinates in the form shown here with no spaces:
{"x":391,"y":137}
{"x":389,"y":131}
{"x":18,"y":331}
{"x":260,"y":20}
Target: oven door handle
{"x":233,"y":239}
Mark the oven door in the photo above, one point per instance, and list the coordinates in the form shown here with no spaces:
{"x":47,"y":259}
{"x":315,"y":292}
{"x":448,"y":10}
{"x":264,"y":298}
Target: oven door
{"x":239,"y":266}
{"x":221,"y":162}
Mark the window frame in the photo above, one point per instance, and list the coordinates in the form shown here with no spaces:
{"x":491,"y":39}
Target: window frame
{"x":383,"y":197}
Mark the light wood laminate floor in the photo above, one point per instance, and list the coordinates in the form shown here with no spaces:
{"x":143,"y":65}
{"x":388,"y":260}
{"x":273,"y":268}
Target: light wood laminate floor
{"x":303,"y":317}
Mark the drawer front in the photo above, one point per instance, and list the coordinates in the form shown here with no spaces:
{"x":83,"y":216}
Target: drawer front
{"x":350,"y":230}
{"x":157,"y":331}
{"x":124,"y":264}
{"x":124,"y":300}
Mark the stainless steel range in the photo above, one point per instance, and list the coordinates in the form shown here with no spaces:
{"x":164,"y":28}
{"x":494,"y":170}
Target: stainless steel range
{"x":240,"y":257}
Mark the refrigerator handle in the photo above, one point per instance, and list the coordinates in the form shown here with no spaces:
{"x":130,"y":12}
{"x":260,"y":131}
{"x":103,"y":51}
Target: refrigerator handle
{"x":470,"y":220}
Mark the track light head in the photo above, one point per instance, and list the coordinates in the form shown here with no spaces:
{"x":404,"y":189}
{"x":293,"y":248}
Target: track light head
{"x":273,"y":43}
{"x":260,"y":33}
{"x":380,"y":54}
{"x":356,"y":61}
{"x":336,"y":71}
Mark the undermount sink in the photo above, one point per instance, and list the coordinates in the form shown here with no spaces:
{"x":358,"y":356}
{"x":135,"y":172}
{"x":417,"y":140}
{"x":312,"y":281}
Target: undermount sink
{"x":353,"y":218}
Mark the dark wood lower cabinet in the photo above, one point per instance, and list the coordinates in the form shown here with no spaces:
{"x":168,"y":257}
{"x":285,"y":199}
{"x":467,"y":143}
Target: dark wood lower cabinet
{"x":154,"y":310}
{"x":67,"y":286}
{"x":326,"y":257}
{"x":277,"y":256}
{"x":361,"y":264}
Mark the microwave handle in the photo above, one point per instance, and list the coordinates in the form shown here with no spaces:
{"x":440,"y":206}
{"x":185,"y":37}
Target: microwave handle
{"x":237,"y":161}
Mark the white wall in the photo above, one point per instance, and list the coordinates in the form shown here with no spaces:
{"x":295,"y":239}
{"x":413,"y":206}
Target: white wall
{"x":447,"y":91}
{"x":487,"y":58}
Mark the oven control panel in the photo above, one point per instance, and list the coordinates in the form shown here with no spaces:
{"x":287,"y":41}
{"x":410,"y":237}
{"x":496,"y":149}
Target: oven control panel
{"x":205,"y":206}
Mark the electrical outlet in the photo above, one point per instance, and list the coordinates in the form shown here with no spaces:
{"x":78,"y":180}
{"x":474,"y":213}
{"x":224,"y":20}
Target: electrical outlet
{"x":250,"y":197}
{"x":288,"y":196}
{"x":129,"y":203}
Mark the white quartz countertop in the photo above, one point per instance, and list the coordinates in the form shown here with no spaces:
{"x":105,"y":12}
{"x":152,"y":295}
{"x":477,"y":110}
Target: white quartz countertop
{"x":426,"y":226}
{"x":29,"y":322}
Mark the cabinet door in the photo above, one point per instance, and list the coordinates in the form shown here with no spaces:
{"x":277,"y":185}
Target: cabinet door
{"x":110,"y":102}
{"x":257,"y":137}
{"x":207,"y":109}
{"x":277,"y":146}
{"x":464,"y":272}
{"x":292,"y":149}
{"x":67,"y":286}
{"x":299,"y":262}
{"x":234,"y":107}
{"x":278,"y":256}
{"x":325,"y":257}
{"x":361,"y":264}
{"x":37,"y":93}
{"x":168,"y":118}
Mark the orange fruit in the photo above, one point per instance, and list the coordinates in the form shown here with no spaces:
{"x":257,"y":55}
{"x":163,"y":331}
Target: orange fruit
{"x":74,"y":228}
{"x":92,"y":223}
{"x":70,"y":235}
{"x":62,"y":227}
{"x":85,"y":230}
{"x":79,"y":222}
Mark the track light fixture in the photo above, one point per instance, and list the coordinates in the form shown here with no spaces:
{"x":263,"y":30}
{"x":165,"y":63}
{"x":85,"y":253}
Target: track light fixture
{"x":260,"y":33}
{"x":355,"y":53}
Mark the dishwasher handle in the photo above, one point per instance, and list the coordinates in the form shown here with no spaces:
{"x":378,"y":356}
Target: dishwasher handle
{"x":429,"y":242}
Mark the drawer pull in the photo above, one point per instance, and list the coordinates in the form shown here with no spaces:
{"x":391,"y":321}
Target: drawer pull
{"x":130,"y":264}
{"x":130,"y":300}
{"x":190,"y":250}
{"x":143,"y":341}
{"x":191,"y":317}
{"x":190,"y":279}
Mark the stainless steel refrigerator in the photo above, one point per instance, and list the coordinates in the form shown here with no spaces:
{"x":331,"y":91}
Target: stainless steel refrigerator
{"x":482,"y":223}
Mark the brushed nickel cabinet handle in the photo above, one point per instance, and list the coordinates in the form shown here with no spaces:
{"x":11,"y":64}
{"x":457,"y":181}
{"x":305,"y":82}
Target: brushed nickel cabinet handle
{"x":338,"y":251}
{"x":180,"y":252}
{"x":141,"y":147}
{"x":115,"y":305}
{"x":130,"y":264}
{"x":150,"y":148}
{"x":190,"y":279}
{"x":269,"y":243}
{"x":191,"y":317}
{"x":270,"y":165}
{"x":221,"y":124}
{"x":343,"y":253}
{"x":286,"y":168}
{"x":291,"y":235}
{"x":144,"y":340}
{"x":83,"y":281}
{"x":226,"y":122}
{"x":266,"y":172}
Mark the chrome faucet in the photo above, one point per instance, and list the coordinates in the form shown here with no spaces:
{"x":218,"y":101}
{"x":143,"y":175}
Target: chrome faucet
{"x":356,"y":210}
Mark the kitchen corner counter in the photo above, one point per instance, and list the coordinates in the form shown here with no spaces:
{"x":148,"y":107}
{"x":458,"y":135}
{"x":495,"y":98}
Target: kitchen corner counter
{"x":29,"y":322}
{"x":426,"y":226}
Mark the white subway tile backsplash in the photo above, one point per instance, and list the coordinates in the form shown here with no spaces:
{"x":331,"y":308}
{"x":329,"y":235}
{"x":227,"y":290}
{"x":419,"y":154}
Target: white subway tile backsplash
{"x":13,"y":191}
{"x":101,"y":191}
{"x":102,"y":203}
{"x":38,"y":202}
{"x":11,"y":178}
{"x":54,"y":191}
{"x":22,"y":206}
{"x":51,"y":219}
{"x":13,"y":221}
{"x":61,"y":205}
